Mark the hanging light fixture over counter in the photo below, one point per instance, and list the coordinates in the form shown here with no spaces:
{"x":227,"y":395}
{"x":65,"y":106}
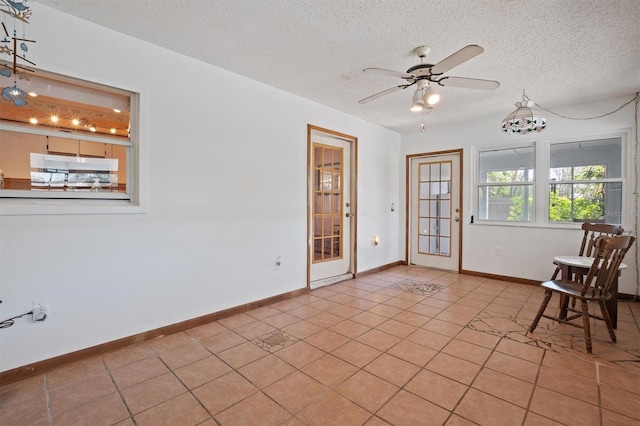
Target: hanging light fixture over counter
{"x":525,"y":119}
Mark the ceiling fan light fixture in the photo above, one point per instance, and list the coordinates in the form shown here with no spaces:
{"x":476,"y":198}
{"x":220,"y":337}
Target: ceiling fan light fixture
{"x":417,"y":103}
{"x":524,"y":119}
{"x":431,"y":97}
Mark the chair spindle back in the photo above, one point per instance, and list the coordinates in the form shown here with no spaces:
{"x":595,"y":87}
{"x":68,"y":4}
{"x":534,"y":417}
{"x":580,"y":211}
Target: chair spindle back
{"x":610,"y":252}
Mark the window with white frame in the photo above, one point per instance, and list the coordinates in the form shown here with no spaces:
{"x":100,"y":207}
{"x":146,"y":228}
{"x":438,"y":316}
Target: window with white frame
{"x":585,"y":181}
{"x":68,"y":139}
{"x":505,"y":184}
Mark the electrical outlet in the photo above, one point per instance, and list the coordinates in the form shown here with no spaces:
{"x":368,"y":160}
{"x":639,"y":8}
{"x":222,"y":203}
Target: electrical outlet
{"x":40,"y":310}
{"x":498,"y":251}
{"x":278,"y":262}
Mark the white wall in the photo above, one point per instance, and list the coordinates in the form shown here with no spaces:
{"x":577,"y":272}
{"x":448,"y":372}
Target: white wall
{"x":225,"y":194}
{"x":527,"y":252}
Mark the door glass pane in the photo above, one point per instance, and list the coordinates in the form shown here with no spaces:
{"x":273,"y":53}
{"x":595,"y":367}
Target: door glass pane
{"x":424,"y":172}
{"x":337,"y":159}
{"x":327,"y":203}
{"x":327,"y":162}
{"x":335,"y":205}
{"x":433,"y":245}
{"x":434,"y":227}
{"x":435,"y":210}
{"x":424,"y":226}
{"x":445,"y":171}
{"x":444,"y":246}
{"x":424,"y":190}
{"x":435,"y":189}
{"x":424,"y":208}
{"x":328,"y":228}
{"x":445,"y":208}
{"x":423,"y":244}
{"x":435,"y":172}
{"x":445,"y":227}
{"x":444,"y":189}
{"x":434,"y":213}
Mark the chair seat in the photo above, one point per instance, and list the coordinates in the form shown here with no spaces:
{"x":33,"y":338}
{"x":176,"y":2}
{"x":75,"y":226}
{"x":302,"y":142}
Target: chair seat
{"x":571,"y":288}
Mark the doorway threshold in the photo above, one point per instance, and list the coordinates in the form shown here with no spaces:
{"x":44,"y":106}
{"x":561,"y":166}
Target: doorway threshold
{"x":331,"y":280}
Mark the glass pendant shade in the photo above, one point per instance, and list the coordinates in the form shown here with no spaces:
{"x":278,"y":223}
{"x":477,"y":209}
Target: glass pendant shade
{"x":524,"y":119}
{"x":14,"y":94}
{"x":417,"y":103}
{"x":431,"y":97}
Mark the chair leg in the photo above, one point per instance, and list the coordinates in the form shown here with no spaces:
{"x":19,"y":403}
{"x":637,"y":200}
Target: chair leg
{"x":555,"y":273}
{"x":607,"y":320}
{"x":587,"y":328}
{"x":543,"y":306}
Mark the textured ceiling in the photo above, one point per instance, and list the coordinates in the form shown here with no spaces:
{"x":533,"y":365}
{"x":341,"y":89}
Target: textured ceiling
{"x":561,"y":52}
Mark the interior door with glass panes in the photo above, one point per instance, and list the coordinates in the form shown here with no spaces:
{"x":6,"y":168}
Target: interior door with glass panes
{"x":434,"y":211}
{"x":331,"y":213}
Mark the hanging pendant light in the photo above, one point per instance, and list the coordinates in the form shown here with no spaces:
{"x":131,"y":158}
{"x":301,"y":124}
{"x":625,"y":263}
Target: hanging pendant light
{"x":14,"y":94}
{"x":525,"y":119}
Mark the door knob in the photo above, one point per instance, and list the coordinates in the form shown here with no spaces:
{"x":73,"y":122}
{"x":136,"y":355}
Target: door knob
{"x":350,"y":214}
{"x":457,"y":219}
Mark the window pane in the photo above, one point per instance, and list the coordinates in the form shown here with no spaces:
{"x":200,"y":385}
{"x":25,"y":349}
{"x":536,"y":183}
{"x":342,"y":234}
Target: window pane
{"x":586,"y":160}
{"x":506,"y":165}
{"x":506,"y":202}
{"x":505,"y":184}
{"x":592,"y":202}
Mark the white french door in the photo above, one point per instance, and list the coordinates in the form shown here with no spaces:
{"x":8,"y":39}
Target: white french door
{"x":331,"y":214}
{"x":434,"y":211}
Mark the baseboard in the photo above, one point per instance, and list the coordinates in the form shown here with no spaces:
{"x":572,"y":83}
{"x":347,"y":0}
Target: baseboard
{"x":43,"y":366}
{"x":378,"y":269}
{"x":621,"y":296}
{"x":628,"y":297}
{"x":500,"y":277}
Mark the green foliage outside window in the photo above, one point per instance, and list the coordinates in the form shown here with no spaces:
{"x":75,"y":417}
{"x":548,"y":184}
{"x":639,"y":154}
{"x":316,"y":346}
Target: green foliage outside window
{"x":517,"y":212}
{"x":577,"y":201}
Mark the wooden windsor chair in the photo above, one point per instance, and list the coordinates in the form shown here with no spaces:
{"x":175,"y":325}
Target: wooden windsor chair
{"x":594,"y":288}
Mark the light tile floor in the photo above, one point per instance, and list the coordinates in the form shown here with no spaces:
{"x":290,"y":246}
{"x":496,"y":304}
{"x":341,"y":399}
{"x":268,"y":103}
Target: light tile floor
{"x":407,"y":346}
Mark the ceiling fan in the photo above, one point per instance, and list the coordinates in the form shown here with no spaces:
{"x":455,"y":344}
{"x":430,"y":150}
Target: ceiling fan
{"x":423,"y":75}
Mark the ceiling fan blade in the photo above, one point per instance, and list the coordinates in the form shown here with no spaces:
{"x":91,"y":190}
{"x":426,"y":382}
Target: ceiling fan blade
{"x":469,"y":83}
{"x":381,"y":94}
{"x":452,"y":61}
{"x":392,"y":73}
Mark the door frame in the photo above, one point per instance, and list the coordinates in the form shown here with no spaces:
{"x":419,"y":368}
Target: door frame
{"x":353,"y":168}
{"x":407,"y":183}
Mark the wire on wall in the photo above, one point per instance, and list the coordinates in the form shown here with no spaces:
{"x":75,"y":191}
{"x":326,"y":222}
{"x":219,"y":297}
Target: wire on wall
{"x":9,"y":322}
{"x":635,"y":99}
